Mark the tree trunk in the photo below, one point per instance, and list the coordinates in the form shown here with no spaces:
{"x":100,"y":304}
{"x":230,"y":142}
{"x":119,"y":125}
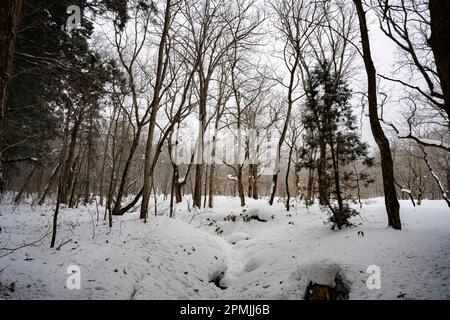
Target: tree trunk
{"x":120,"y":192}
{"x":154,"y":110}
{"x":211,"y":184}
{"x":67,"y":171}
{"x":288,"y":194}
{"x":290,"y":102}
{"x":197,"y":197}
{"x":90,"y":160}
{"x":10,"y":17}
{"x":309,"y":188}
{"x":321,"y":173}
{"x":240,"y":185}
{"x":387,"y":165}
{"x":25,"y":185}
{"x":172,"y":189}
{"x":49,"y":184}
{"x":339,"y":218}
{"x":440,"y":43}
{"x":255,"y":194}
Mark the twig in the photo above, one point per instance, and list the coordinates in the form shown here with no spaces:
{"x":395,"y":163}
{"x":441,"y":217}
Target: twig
{"x":11,"y":250}
{"x":59,"y":247}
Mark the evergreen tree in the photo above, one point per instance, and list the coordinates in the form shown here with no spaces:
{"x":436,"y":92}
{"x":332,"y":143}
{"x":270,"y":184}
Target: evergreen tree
{"x":331,"y":126}
{"x":46,"y":56}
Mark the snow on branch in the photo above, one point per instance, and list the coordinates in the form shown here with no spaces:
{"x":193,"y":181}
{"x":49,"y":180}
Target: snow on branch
{"x":436,"y":177}
{"x":421,"y":141}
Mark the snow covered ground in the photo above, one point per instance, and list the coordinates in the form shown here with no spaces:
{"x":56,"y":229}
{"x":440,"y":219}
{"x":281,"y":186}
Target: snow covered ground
{"x":259,"y":252}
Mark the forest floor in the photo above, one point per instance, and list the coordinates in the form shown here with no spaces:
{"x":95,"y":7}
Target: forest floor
{"x":256,"y":252}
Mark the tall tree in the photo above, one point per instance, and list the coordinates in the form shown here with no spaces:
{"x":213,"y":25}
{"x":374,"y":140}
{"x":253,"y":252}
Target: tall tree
{"x":387,"y":165}
{"x":440,"y":43}
{"x":161,"y":66}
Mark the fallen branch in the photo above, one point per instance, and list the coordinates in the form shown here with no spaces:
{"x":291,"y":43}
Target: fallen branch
{"x":64,"y":243}
{"x":11,"y":250}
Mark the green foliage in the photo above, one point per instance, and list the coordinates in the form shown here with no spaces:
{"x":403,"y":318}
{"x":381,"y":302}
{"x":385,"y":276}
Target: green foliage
{"x":329,"y":120}
{"x":343,"y":215}
{"x":54,"y":71}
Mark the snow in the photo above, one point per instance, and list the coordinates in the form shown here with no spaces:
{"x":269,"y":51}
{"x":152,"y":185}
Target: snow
{"x":436,"y":177}
{"x":181,"y":258}
{"x":236,"y":237}
{"x":435,"y":143}
{"x":404,"y":190}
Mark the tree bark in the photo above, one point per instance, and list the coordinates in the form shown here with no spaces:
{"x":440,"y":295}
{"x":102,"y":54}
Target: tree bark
{"x":286,"y":181}
{"x":25,"y":185}
{"x":290,"y":102}
{"x":440,"y":43}
{"x":154,"y":110}
{"x":321,"y":173}
{"x":49,"y":184}
{"x":90,"y":160}
{"x":211,"y":184}
{"x":120,"y":192}
{"x":240,"y":185}
{"x":309,"y":188}
{"x":387,"y":165}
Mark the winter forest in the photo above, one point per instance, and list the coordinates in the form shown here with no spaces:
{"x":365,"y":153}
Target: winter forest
{"x":225,"y":149}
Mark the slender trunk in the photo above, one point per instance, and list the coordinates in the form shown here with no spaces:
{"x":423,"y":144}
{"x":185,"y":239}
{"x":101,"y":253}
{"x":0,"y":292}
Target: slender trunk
{"x":154,"y":110}
{"x":213,"y":160}
{"x":285,"y":128}
{"x":288,"y":194}
{"x":120,"y":192}
{"x":387,"y":165}
{"x":67,"y":174}
{"x":358,"y":187}
{"x":250,"y":180}
{"x":55,"y":220}
{"x":447,"y":173}
{"x":25,"y":185}
{"x":255,"y":194}
{"x":445,"y":196}
{"x":309,"y":188}
{"x":240,"y":185}
{"x":321,"y":173}
{"x":178,"y":197}
{"x":199,"y":167}
{"x":49,"y":184}
{"x":337,"y":182}
{"x":206,"y":186}
{"x":102,"y":171}
{"x":172,"y":189}
{"x":211,"y":184}
{"x":90,"y":160}
{"x":298,"y":191}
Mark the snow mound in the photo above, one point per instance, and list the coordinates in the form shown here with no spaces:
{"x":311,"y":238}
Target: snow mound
{"x":253,"y":264}
{"x":236,"y":237}
{"x":256,"y":214}
{"x":323,"y":273}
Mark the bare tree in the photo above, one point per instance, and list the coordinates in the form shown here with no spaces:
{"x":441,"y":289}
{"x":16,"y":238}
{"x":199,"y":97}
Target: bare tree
{"x":387,"y":165}
{"x":161,"y":66}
